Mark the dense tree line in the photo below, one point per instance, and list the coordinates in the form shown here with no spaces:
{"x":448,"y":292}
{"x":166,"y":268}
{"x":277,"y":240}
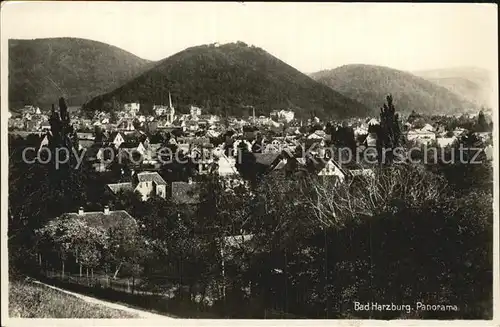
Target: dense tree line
{"x":316,"y":247}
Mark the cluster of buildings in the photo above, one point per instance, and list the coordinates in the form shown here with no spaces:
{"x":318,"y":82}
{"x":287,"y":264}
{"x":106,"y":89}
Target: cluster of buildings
{"x":29,"y":118}
{"x":279,"y":144}
{"x":212,"y":144}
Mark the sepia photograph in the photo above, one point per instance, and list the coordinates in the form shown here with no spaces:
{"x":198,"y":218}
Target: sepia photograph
{"x":250,"y":161}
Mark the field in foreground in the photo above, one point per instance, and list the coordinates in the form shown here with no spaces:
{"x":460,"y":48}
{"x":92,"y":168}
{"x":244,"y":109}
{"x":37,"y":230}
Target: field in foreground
{"x":29,"y":300}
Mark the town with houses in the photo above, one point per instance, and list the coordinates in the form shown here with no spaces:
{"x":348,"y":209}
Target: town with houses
{"x":195,"y":133}
{"x":336,"y":163}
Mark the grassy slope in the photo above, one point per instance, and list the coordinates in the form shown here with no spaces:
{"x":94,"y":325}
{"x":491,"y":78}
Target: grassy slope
{"x":228,"y":78}
{"x":28,"y":300}
{"x":370,"y":84}
{"x":42,"y":70}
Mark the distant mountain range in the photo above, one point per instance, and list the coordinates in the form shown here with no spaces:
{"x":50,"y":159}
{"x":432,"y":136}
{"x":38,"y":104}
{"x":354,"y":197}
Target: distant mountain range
{"x":369,"y":84}
{"x":42,"y":70}
{"x":229,"y":79}
{"x":474,"y":84}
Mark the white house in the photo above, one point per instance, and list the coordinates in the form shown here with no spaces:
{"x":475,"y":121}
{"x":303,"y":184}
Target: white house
{"x":149,"y":184}
{"x":428,"y":128}
{"x":421,"y":136}
{"x":146,"y":183}
{"x":331,"y":168}
{"x":286,"y":115}
{"x":194,"y":111}
{"x":226,"y":166}
{"x":316,"y":136}
{"x":159,"y":109}
{"x":126,"y":125}
{"x":116,"y":138}
{"x":168,"y":111}
{"x":132,"y":108}
{"x":360,"y":130}
{"x":371,"y":140}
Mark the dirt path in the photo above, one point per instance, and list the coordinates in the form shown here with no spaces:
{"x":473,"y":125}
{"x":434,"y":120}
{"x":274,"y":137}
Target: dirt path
{"x":140,"y":313}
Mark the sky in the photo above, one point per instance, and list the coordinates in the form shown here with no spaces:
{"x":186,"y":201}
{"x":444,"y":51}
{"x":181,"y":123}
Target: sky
{"x":308,"y":36}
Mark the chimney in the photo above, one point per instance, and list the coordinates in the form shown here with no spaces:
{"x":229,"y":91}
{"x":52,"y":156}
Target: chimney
{"x":80,"y":211}
{"x":106,"y":210}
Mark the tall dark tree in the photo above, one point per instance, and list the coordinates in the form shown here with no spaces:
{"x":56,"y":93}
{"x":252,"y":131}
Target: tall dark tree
{"x":481,"y":124}
{"x":62,"y":134}
{"x":389,"y":133}
{"x":344,"y":137}
{"x":99,"y":135}
{"x":246,"y":162}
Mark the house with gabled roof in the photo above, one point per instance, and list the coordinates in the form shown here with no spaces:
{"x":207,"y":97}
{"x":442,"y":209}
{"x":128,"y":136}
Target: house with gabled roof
{"x":125,"y":125}
{"x":266,"y":162}
{"x":371,"y":140}
{"x":226,"y":166}
{"x":117,"y":188}
{"x":116,"y":138}
{"x":330,"y":168}
{"x":132,"y":108}
{"x":146,"y":183}
{"x":132,"y":147}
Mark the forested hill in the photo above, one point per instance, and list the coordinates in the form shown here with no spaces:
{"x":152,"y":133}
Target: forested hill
{"x":42,"y":70}
{"x":370,"y":84}
{"x":472,"y":83}
{"x":229,"y":79}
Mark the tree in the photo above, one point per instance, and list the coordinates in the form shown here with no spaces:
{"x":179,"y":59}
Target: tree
{"x":113,"y":117}
{"x":157,"y":138}
{"x":176,"y":165}
{"x":344,"y":137}
{"x":246,"y":163}
{"x":363,"y":197}
{"x":99,"y":135}
{"x":72,"y":237}
{"x":481,"y":124}
{"x":125,"y":249}
{"x":62,"y":133}
{"x":389,"y":134}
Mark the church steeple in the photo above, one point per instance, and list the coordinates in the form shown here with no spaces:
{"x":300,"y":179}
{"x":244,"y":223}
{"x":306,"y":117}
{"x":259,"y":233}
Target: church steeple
{"x":170,"y":101}
{"x":171,"y":110}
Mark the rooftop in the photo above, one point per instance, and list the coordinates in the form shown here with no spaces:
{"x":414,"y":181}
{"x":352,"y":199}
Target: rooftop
{"x":120,"y":187}
{"x":101,"y":219}
{"x":266,"y":159}
{"x":151,"y":176}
